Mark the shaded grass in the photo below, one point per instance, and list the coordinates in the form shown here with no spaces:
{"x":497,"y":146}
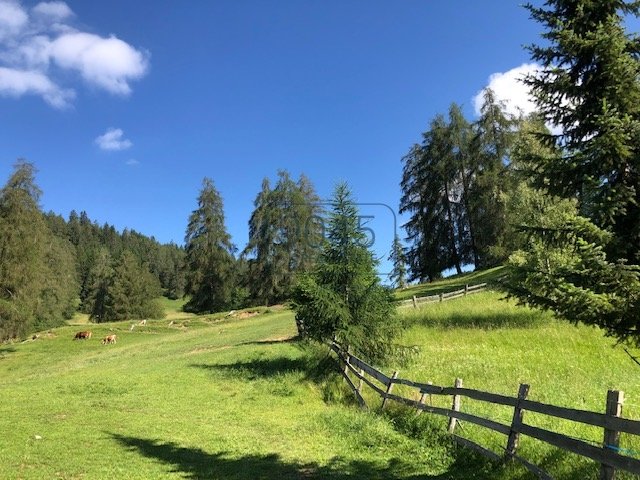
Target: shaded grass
{"x":485,"y":311}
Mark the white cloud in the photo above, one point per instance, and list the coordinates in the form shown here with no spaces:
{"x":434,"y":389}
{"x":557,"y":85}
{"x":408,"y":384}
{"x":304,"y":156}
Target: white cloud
{"x":109,"y":63}
{"x":132,"y":162}
{"x":16,"y":83}
{"x":113,"y":139}
{"x":13,"y":18}
{"x":509,"y":88}
{"x":55,"y":11}
{"x":44,"y":44}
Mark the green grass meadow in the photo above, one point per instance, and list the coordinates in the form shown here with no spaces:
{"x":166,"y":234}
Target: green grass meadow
{"x":215,"y":397}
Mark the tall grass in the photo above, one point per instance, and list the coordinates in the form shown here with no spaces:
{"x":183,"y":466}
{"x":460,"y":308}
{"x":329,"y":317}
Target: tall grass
{"x":494,"y":345}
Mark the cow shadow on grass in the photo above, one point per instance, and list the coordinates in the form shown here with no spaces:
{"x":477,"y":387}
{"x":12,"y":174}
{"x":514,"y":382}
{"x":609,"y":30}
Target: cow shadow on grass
{"x":195,"y":463}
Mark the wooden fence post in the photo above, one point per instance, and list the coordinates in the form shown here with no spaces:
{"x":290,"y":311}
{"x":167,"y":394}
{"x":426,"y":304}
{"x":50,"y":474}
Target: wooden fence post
{"x":466,"y":288}
{"x":415,"y":302}
{"x":421,"y":402}
{"x":346,"y":361}
{"x":389,"y":388}
{"x":360,"y":382}
{"x":455,"y":406}
{"x":518,"y":415}
{"x":615,"y":399}
{"x":441,"y":297}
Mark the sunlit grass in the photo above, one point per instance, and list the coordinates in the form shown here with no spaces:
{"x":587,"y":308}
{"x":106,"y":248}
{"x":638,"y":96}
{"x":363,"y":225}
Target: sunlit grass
{"x":237,"y":397}
{"x":451,"y":283}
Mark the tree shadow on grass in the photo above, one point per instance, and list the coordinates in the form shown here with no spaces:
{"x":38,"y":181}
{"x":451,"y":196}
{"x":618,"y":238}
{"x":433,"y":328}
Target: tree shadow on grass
{"x":308,"y":368}
{"x":195,"y":463}
{"x":260,"y":367}
{"x":490,"y":320}
{"x":284,"y":341}
{"x":6,"y":350}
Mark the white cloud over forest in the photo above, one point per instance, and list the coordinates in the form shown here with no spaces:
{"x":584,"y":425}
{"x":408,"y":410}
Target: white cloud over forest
{"x":39,"y":46}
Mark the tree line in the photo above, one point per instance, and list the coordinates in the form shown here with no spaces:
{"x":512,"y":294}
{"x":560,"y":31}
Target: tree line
{"x":52,"y":267}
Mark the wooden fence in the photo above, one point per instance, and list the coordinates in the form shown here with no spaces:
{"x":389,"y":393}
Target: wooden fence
{"x":443,"y":297}
{"x":608,"y":454}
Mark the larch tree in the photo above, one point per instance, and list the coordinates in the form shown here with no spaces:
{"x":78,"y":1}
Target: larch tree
{"x":22,"y":233}
{"x":284,"y":237}
{"x":37,"y":270}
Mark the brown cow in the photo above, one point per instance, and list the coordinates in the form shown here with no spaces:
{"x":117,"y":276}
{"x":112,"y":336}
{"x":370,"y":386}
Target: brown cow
{"x":109,"y":339}
{"x":83,"y":335}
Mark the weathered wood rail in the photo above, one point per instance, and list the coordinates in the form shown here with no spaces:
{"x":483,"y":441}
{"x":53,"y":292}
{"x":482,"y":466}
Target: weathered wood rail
{"x":443,"y":297}
{"x":608,"y":454}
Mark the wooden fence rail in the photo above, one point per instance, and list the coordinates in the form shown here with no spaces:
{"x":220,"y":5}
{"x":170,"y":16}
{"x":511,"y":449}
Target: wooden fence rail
{"x":608,"y":454}
{"x":443,"y":297}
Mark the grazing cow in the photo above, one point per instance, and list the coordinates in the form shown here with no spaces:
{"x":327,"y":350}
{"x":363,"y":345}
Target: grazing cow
{"x":109,"y":339}
{"x":83,"y":335}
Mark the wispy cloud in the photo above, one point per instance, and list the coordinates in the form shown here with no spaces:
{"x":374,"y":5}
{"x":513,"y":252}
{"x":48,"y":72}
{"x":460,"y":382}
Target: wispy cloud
{"x":34,"y":41}
{"x":132,"y":162}
{"x":53,"y":10}
{"x":113,"y":140}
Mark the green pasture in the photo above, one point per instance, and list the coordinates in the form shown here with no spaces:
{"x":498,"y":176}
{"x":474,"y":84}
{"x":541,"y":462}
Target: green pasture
{"x":237,"y":397}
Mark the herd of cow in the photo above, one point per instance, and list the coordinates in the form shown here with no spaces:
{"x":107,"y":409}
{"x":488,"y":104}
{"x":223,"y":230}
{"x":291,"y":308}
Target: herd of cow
{"x":86,"y":335}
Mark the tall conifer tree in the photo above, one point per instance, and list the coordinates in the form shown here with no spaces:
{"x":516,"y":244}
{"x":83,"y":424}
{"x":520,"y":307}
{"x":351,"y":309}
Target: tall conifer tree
{"x":589,"y":86}
{"x":284,"y":237}
{"x":209,"y":255}
{"x":342,"y":298}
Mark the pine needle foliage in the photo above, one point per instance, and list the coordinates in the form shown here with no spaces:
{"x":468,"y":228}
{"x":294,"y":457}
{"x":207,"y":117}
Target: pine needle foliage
{"x":342,"y":298}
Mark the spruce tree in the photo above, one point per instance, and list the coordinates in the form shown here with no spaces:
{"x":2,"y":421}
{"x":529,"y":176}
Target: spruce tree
{"x":342,"y":298}
{"x":209,"y":260}
{"x":589,"y":86}
{"x":98,"y":302}
{"x":132,"y":291}
{"x":398,"y":259}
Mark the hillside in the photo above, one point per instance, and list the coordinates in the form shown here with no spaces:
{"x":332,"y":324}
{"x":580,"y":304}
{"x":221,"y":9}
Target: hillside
{"x":200,"y":399}
{"x":236,"y":398}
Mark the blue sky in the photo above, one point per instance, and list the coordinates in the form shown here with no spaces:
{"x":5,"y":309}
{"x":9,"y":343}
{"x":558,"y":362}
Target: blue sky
{"x":235,"y":90}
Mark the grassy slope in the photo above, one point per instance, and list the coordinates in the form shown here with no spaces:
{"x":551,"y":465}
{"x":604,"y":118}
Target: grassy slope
{"x":229,"y":398}
{"x":449,"y":284}
{"x":493,"y":345}
{"x":223,"y":400}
